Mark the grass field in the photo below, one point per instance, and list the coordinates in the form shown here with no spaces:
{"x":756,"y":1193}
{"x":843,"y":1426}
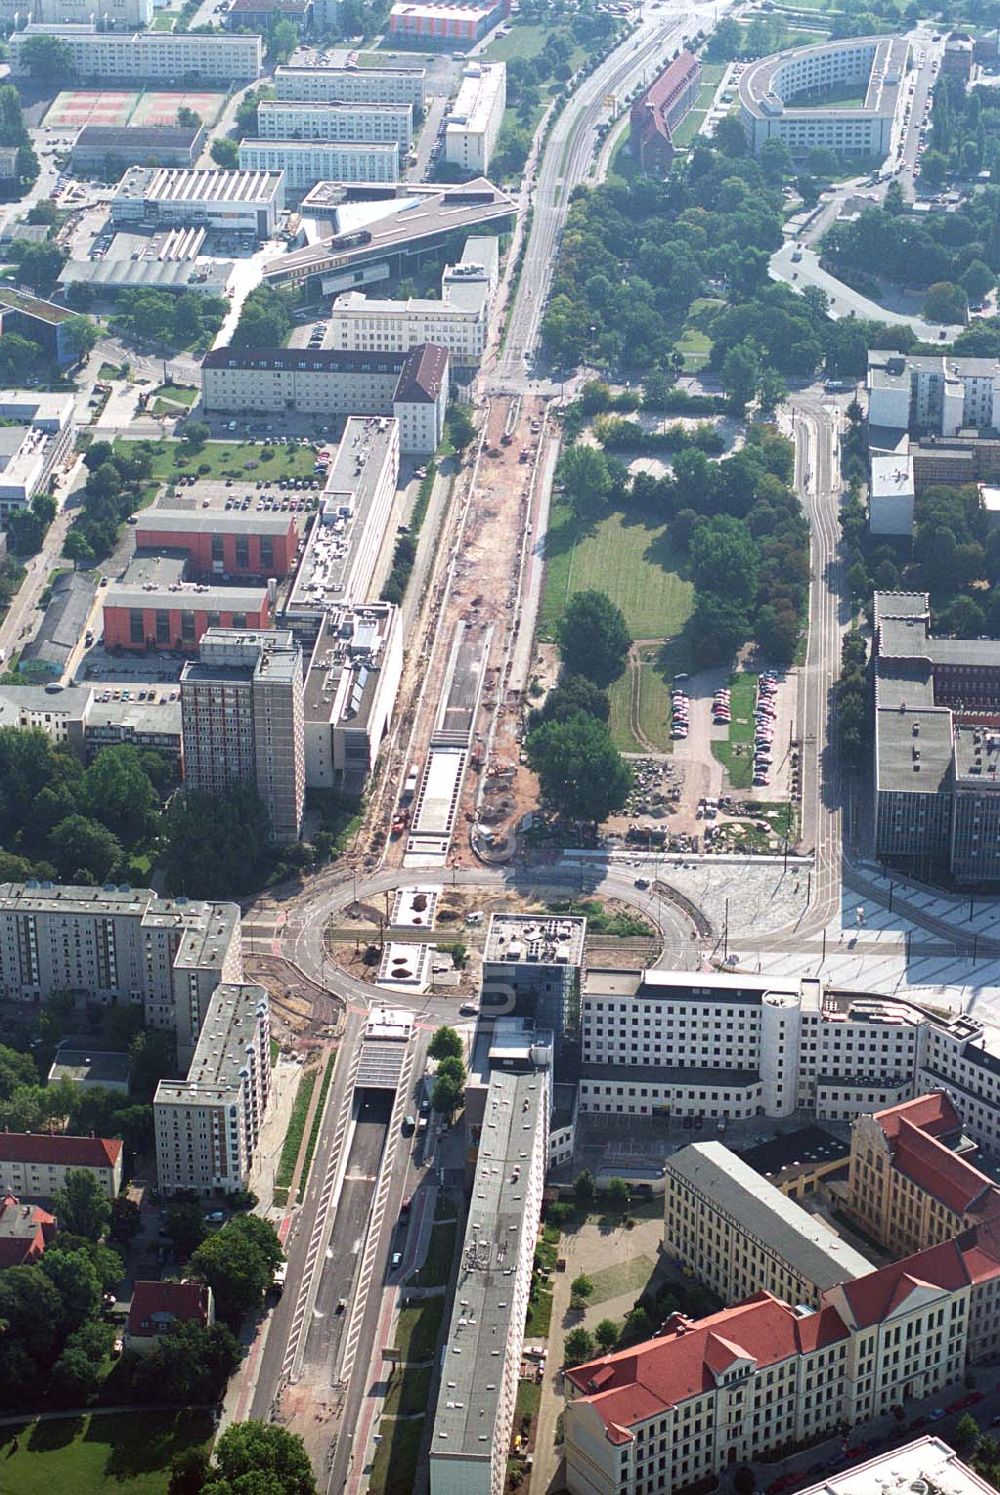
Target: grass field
{"x":694,"y":341}
{"x":225,"y":459}
{"x":417,"y":1328}
{"x":409,"y":1390}
{"x":539,"y":1320}
{"x":296,"y":1126}
{"x":711,"y":77}
{"x":657,"y":667}
{"x":316,"y":1123}
{"x":736,"y":755}
{"x":129,"y":1453}
{"x":529,"y":1400}
{"x":437,"y":1268}
{"x":395,"y":1464}
{"x":628,"y":556}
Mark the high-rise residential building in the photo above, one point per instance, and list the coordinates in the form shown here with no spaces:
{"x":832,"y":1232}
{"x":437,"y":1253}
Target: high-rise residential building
{"x":909,"y":1184}
{"x":118,"y":946}
{"x":314,"y":75}
{"x":242,"y":721}
{"x":208,"y":1125}
{"x":96,"y":53}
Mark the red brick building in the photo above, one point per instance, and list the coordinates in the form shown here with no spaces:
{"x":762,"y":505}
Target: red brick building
{"x":175,"y":617}
{"x":655,"y":116}
{"x":231,"y":543}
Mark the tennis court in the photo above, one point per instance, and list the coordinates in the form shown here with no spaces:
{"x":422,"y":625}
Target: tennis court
{"x":161,"y":108}
{"x":76,"y":107}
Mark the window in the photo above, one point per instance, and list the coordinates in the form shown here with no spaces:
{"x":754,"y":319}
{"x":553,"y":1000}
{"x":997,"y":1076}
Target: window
{"x":136,"y":629}
{"x":162,"y":626}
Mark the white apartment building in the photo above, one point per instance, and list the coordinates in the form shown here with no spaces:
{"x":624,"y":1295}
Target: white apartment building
{"x":372,"y":124}
{"x":350,"y":694}
{"x":741,"y":1235}
{"x":172,"y":197}
{"x":119,"y":945}
{"x":303,"y":79}
{"x":481,"y":1356}
{"x":31,"y":450}
{"x":242,"y":721}
{"x":459,"y":321}
{"x":473,"y":122}
{"x":306,"y":162}
{"x":208,"y":1125}
{"x":132,"y":13}
{"x":411,"y":386}
{"x":34,"y":1165}
{"x":155,"y":55}
{"x":724,"y":1390}
{"x":932,"y":395}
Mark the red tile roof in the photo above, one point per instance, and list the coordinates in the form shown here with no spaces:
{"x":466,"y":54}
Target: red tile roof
{"x":933,"y":1113}
{"x":940,"y":1172}
{"x":649,"y":113}
{"x":980,"y":1263}
{"x":25,"y":1231}
{"x":633,"y":1385}
{"x":71,"y":1152}
{"x":156,"y":1305}
{"x":871,"y":1298}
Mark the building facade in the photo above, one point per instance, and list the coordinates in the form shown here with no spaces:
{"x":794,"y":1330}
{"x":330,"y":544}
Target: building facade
{"x":444,"y":24}
{"x":159,"y":55}
{"x":242,"y":722}
{"x":208,"y":1125}
{"x":657,"y":113}
{"x":307,"y":77}
{"x":932,"y":395}
{"x":228,"y":544}
{"x":118,"y":946}
{"x":372,"y":124}
{"x":350,"y":693}
{"x":97,"y":146}
{"x":248,"y":202}
{"x":306,"y":162}
{"x":33,"y":1165}
{"x":474,"y":119}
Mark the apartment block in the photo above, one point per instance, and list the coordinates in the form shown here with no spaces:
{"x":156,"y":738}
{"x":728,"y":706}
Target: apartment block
{"x":760,"y":1375}
{"x":34,"y":1165}
{"x":741,"y":1235}
{"x":117,"y":13}
{"x":242,"y":721}
{"x":910,"y":1186}
{"x":119,"y":945}
{"x":473,"y":121}
{"x":159,"y":55}
{"x":306,"y":162}
{"x":350,"y":693}
{"x":208,"y":1125}
{"x":288,"y":119}
{"x":481,"y":1356}
{"x":784,"y":96}
{"x":309,"y":76}
{"x":932,"y":394}
{"x":36,"y":438}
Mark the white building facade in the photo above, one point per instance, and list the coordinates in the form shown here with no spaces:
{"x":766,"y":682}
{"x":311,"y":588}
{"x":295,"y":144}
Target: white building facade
{"x":473,"y":122}
{"x":157,"y":55}
{"x":342,"y":85}
{"x":306,"y":162}
{"x":372,"y":124}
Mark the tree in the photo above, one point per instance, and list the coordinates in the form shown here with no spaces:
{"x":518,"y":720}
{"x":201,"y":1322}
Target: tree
{"x":77,"y":548}
{"x":225,"y":153}
{"x":725,"y":42}
{"x":578,"y":1346}
{"x":81,"y":335}
{"x":83,"y":848}
{"x":741,"y":373}
{"x":15,"y":1069}
{"x":196,"y":433}
{"x":619,"y":1195}
{"x":606,"y":1333}
{"x":453,"y":1069}
{"x":214,"y":845}
{"x":586,"y":475}
{"x":573,"y":694}
{"x":265,"y":320}
{"x":192,"y":1363}
{"x":188,"y":1472}
{"x":581,"y":1287}
{"x":187,"y":118}
{"x":185,"y":1226}
{"x":38,"y":265}
{"x":593,"y":637}
{"x":284,"y":39}
{"x":967,"y":1429}
{"x":725,"y":558}
{"x":977,"y":280}
{"x":857,"y":582}
{"x":933,"y":169}
{"x":446,"y":1096}
{"x":81,"y":1205}
{"x":47,"y":58}
{"x":235,"y":1268}
{"x":97,"y":454}
{"x":119,"y":793}
{"x":77,"y":1283}
{"x":946,"y":302}
{"x":126,"y":1220}
{"x":584,"y":1189}
{"x":446,"y":1044}
{"x":460,"y":426}
{"x":775,"y":160}
{"x":581,"y":774}
{"x":251,"y":1451}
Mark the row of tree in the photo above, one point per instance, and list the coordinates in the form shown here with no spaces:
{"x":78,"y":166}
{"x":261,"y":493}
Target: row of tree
{"x":187,"y":320}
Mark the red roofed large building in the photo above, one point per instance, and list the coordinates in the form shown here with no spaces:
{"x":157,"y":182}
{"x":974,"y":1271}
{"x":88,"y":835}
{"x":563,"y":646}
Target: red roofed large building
{"x":156,"y":1306}
{"x":656,"y":115}
{"x":34,"y":1165}
{"x":909,"y":1186}
{"x":706,"y":1395}
{"x":25,"y":1231}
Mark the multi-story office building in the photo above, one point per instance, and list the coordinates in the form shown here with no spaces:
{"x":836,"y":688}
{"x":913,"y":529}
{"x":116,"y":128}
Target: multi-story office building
{"x":288,"y":119}
{"x":909,"y":1185}
{"x":350,"y":693}
{"x":119,"y":945}
{"x":114,"y":13}
{"x":481,"y":1356}
{"x":656,"y":114}
{"x":241,"y":719}
{"x":763,"y":1374}
{"x":34,"y":1166}
{"x":160,"y":55}
{"x":531,"y":967}
{"x":248,"y":202}
{"x":925,"y":1464}
{"x":308,"y":75}
{"x":937,"y":797}
{"x":233,"y":542}
{"x":306,"y":162}
{"x":931,"y":394}
{"x":43,"y":322}
{"x":153,"y":606}
{"x":474,"y":119}
{"x":411,"y":386}
{"x":32,"y":449}
{"x":208,"y":1125}
{"x":783,"y":97}
{"x":741,"y":1235}
{"x":458,"y":321}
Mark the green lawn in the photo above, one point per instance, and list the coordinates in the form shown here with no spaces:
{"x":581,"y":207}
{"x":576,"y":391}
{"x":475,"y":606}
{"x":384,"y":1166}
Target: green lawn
{"x":622,"y":1277}
{"x":225,"y":459}
{"x":316,"y":1123}
{"x":736,"y":754}
{"x":437,"y":1268}
{"x":694,"y":341}
{"x":395,"y":1464}
{"x":177,"y":394}
{"x":658,"y":665}
{"x":539,"y":1320}
{"x":417,"y":1328}
{"x":409,"y":1390}
{"x":630,"y":557}
{"x":296,"y":1126}
{"x":527,"y":39}
{"x":129,"y":1453}
{"x":529,"y":1400}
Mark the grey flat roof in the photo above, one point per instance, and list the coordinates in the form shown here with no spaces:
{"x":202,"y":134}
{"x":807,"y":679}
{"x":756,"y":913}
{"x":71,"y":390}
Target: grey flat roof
{"x":209,"y":276}
{"x":734,"y":1188}
{"x":977,"y":756}
{"x":230,"y":1024}
{"x":808,"y":1144}
{"x":536,"y":939}
{"x":168,"y":520}
{"x":91,"y":1065}
{"x":896,"y":745}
